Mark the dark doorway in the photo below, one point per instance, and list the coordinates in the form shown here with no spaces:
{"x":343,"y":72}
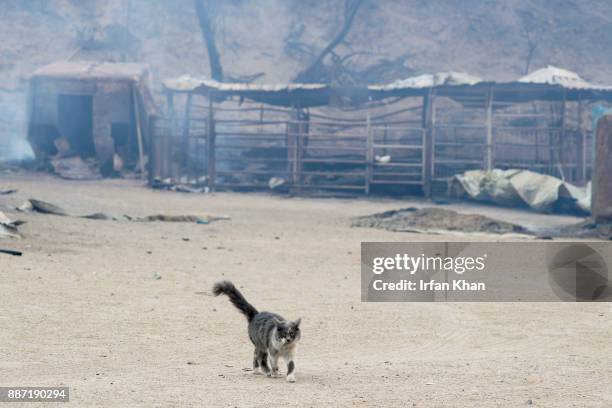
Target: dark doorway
{"x":75,"y":123}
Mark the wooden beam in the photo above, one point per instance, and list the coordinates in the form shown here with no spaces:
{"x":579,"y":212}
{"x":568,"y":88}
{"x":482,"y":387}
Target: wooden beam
{"x":292,"y":147}
{"x":601,"y":202}
{"x":369,"y":154}
{"x":489,"y":160}
{"x":138,"y":132}
{"x":427,"y":125}
{"x":561,"y":138}
{"x":10,"y":252}
{"x":210,"y":145}
{"x":580,"y":145}
{"x":155,"y":153}
{"x":299,"y":152}
{"x":185,"y":136}
{"x":169,"y":143}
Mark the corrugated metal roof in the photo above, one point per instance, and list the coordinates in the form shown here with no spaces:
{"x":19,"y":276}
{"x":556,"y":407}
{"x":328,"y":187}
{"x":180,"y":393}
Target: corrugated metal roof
{"x":135,"y":74}
{"x":188,"y":83}
{"x":429,"y":81}
{"x":552,"y":75}
{"x":546,"y":76}
{"x":542,"y":84}
{"x":92,"y":70}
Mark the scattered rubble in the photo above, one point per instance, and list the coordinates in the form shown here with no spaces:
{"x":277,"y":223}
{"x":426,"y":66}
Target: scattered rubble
{"x":382,"y":159}
{"x":522,"y":188}
{"x":276,"y":183}
{"x":588,"y":228}
{"x":198,"y":187}
{"x":34,"y":205}
{"x":99,"y":216}
{"x":10,"y":252}
{"x":435,"y":220}
{"x":75,"y":168}
{"x":177,"y":218}
{"x":7,"y":191}
{"x":8,"y":227}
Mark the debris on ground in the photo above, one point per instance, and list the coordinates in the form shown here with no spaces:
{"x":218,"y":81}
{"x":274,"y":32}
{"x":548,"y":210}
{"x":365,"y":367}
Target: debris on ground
{"x":382,"y":159}
{"x":515,"y":188}
{"x":75,"y":168}
{"x":434,"y":220}
{"x":588,"y":228}
{"x":8,"y":227}
{"x":276,"y":183}
{"x":198,"y":186}
{"x":7,"y":191}
{"x":206,"y":219}
{"x":10,"y":252}
{"x":34,"y":205}
{"x":99,"y":216}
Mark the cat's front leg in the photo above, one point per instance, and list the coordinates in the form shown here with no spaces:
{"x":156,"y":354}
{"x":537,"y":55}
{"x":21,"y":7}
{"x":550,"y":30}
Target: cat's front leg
{"x":274,"y":365}
{"x":291,"y":366}
{"x":291,"y":371}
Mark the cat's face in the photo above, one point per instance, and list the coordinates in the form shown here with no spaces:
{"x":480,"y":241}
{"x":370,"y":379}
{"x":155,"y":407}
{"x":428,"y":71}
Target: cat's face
{"x":289,"y":333}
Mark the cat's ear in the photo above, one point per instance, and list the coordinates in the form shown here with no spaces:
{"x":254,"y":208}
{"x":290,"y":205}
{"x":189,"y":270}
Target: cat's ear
{"x":297,"y":322}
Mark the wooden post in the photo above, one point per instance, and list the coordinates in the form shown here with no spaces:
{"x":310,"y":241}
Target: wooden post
{"x":154,"y":152}
{"x":170,"y":144}
{"x":561,"y":138}
{"x":210,"y":144}
{"x":31,"y":119}
{"x":298,"y":152}
{"x":261,"y":118}
{"x":427,"y":124}
{"x":292,"y":130}
{"x":185,"y":137}
{"x":601,"y":201}
{"x":138,"y":132}
{"x":288,"y":143}
{"x":489,"y":161}
{"x":385,"y":130}
{"x":369,"y":154}
{"x":580,"y":146}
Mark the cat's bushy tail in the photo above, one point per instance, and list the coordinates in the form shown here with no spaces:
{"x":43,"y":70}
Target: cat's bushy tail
{"x":234,"y":295}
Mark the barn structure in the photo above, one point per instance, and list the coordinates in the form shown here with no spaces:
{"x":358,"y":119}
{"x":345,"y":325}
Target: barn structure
{"x":99,"y":112}
{"x":410,"y":136}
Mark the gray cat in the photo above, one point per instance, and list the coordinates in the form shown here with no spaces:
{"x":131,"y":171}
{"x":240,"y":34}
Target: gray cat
{"x":273,"y":336}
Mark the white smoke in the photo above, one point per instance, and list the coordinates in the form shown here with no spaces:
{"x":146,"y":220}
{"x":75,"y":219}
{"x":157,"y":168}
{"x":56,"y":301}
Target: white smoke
{"x":15,"y":149}
{"x":14,"y":146}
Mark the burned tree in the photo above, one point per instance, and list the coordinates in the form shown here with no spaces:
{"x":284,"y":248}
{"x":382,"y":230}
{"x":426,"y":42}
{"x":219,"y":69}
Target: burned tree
{"x":208,"y":33}
{"x":531,"y":31}
{"x":317,"y":71}
{"x":531,"y":48}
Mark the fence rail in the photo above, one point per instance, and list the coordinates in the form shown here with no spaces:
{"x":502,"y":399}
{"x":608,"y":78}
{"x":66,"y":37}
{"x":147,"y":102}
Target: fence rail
{"x":255,"y":147}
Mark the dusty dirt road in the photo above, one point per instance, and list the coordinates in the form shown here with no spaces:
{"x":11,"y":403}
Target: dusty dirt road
{"x":82,"y":309}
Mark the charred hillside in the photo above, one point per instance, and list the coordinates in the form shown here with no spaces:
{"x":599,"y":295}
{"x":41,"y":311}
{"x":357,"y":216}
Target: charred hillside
{"x":276,"y":40}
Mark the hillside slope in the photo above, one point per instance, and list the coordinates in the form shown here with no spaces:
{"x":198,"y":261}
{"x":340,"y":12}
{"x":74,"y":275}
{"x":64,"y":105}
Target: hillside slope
{"x":389,"y":39}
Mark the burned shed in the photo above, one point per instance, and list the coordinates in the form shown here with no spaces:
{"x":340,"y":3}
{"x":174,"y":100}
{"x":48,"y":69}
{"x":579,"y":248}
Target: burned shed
{"x":88,"y":118}
{"x":410,"y":136}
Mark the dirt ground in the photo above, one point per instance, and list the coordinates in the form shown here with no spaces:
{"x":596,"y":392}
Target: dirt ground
{"x":82,"y":308}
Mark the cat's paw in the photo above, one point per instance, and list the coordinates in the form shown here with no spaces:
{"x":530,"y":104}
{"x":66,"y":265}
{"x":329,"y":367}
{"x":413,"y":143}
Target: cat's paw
{"x":276,"y":374}
{"x":291,"y":378}
{"x":257,"y":371}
